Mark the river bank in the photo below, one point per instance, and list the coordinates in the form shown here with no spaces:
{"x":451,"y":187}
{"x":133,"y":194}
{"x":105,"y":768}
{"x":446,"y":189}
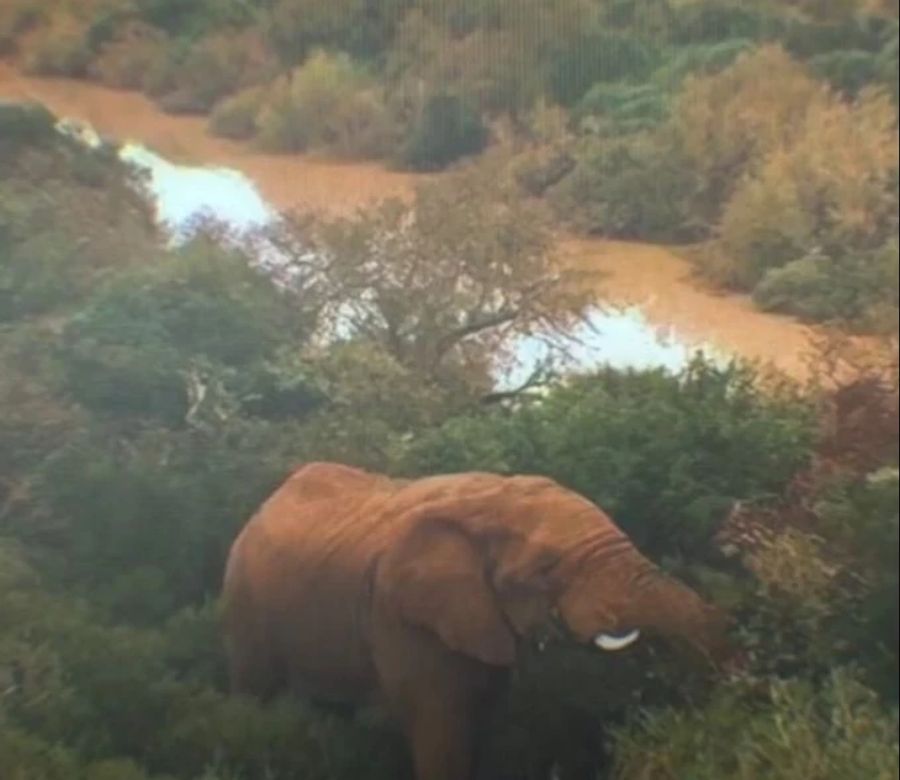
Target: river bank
{"x":651,"y":277}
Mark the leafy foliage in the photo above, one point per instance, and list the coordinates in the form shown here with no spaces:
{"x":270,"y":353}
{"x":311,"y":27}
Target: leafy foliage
{"x":627,"y":188}
{"x":131,"y":350}
{"x":152,"y":398}
{"x":327,"y":104}
{"x":669,"y":490}
{"x":791,"y":731}
{"x":398,"y":275}
{"x":446,"y":130}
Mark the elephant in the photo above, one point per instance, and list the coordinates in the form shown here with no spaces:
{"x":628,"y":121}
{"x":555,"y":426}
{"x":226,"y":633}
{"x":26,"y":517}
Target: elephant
{"x":350,"y":586}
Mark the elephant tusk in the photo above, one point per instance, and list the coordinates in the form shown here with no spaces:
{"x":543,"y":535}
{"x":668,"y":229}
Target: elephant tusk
{"x":612,"y":642}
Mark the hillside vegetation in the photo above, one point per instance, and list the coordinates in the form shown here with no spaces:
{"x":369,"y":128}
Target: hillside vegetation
{"x":151,"y":398}
{"x":765,"y":130}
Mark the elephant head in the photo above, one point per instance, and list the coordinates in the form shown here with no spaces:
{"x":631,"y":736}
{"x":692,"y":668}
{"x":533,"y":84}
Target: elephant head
{"x":502,"y":559}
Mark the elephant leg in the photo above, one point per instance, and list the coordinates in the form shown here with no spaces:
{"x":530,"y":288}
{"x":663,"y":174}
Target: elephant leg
{"x":252,"y":669}
{"x":441,"y":741}
{"x":487,"y":712}
{"x":437,"y":695}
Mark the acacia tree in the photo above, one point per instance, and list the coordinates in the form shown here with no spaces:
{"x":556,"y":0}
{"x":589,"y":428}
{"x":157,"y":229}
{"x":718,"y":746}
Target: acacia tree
{"x":442,"y":283}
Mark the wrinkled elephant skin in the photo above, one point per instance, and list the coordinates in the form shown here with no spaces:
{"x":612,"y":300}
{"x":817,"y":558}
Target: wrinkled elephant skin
{"x":350,"y":586}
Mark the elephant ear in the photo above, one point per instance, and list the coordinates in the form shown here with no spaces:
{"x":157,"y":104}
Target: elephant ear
{"x":435,"y":578}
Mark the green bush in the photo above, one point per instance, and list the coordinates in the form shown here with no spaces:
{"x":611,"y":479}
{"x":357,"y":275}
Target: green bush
{"x":621,"y":109}
{"x":62,"y":49}
{"x":132,"y":349}
{"x":858,"y":289}
{"x":46,"y":257}
{"x":281,"y":741}
{"x":235,"y":116}
{"x":24,"y":124}
{"x":39,"y":272}
{"x":889,"y":65}
{"x":663,"y":454}
{"x":178,"y":501}
{"x":327,"y":104}
{"x":211,"y":69}
{"x":707,"y":58}
{"x":195,"y":18}
{"x":810,"y":37}
{"x":860,"y":518}
{"x":627,"y":188}
{"x":294,"y":28}
{"x":129,"y":56}
{"x":795,"y":730}
{"x":848,"y":71}
{"x":597,"y":57}
{"x":445,"y":130}
{"x":162,"y":71}
{"x":16,"y":17}
{"x":712,"y":21}
{"x":24,"y":756}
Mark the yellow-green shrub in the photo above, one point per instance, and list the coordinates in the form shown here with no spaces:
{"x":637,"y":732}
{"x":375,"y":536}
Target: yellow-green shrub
{"x":15,"y":17}
{"x":62,"y":49}
{"x":327,"y":104}
{"x":831,"y":186}
{"x":215,"y":67}
{"x":793,"y":730}
{"x":125,"y":61}
{"x":235,"y":116}
{"x":727,"y":123}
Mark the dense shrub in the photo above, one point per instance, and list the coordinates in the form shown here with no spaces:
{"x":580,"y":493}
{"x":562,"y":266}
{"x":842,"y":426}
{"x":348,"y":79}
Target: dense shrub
{"x":711,"y":21}
{"x":161,"y":76}
{"x":24,"y":124}
{"x":213,"y":68}
{"x":125,"y":60}
{"x":135,"y":347}
{"x":16,"y":17}
{"x":860,"y":518}
{"x":831,"y":189}
{"x":195,"y":18}
{"x":235,"y":116}
{"x":670,"y":490}
{"x":327,"y":104}
{"x":144,"y":414}
{"x":621,"y":109}
{"x":791,"y":731}
{"x":446,"y":129}
{"x":848,"y":71}
{"x":179,"y":499}
{"x":46,"y":259}
{"x":61,"y":49}
{"x":597,"y":57}
{"x":99,"y":702}
{"x":812,"y":37}
{"x":296,"y":27}
{"x":857,"y":288}
{"x":700,"y":59}
{"x":627,"y":188}
{"x":726,"y":124}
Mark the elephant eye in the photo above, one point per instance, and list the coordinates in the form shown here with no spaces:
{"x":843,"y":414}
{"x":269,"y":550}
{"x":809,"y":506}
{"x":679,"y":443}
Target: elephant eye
{"x":612,"y":642}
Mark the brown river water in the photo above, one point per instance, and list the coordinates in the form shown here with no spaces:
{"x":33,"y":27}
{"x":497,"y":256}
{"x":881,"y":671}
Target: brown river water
{"x":653,"y":282}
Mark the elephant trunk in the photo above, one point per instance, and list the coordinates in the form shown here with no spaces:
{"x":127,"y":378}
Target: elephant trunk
{"x":664,"y":606}
{"x":618,"y":591}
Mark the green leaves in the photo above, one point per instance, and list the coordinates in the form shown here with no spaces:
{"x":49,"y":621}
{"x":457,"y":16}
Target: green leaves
{"x":665,"y":455}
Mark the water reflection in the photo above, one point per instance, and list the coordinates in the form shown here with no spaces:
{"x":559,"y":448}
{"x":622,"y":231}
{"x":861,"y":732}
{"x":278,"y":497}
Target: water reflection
{"x":184,"y":192}
{"x":616,"y":337}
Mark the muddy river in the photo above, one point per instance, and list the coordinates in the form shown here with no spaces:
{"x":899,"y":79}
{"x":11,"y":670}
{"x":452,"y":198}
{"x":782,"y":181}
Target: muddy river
{"x":655,"y":312}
